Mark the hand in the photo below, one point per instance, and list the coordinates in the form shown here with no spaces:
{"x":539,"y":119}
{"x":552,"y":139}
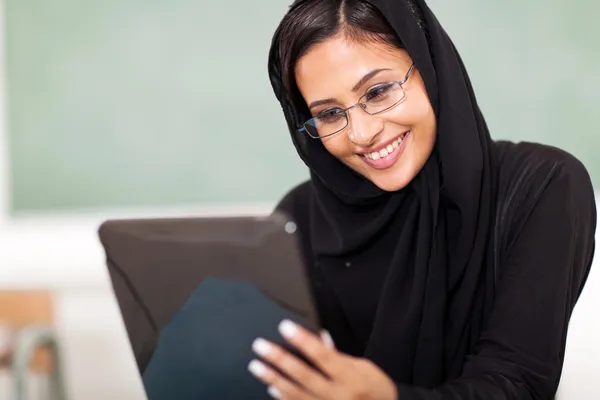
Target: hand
{"x":347,"y":377}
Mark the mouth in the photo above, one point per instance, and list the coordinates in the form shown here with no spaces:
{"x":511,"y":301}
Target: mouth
{"x":387,"y":150}
{"x":388,"y":154}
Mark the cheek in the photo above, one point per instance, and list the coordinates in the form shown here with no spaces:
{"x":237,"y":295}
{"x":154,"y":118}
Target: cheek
{"x":338,"y":145}
{"x":416,"y":112}
{"x":417,"y":115}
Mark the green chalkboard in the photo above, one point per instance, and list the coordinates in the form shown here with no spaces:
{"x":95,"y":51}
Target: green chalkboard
{"x":143,"y":103}
{"x":534,"y":66}
{"x":158,"y":103}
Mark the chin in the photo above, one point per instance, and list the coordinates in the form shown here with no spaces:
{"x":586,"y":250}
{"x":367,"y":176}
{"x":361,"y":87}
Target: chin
{"x":392,"y":185}
{"x":396,"y":178}
{"x":392,"y":180}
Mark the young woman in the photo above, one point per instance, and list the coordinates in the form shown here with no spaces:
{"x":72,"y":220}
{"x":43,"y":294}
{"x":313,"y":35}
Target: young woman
{"x":446,"y":265}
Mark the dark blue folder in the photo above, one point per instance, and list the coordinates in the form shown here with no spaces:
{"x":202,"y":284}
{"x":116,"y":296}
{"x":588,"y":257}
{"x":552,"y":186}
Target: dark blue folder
{"x":204,"y":351}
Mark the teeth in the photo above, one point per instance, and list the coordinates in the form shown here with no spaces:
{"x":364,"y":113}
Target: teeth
{"x":376,"y":155}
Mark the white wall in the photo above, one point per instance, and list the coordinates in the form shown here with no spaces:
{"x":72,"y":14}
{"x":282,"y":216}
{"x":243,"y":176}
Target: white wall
{"x":95,"y":352}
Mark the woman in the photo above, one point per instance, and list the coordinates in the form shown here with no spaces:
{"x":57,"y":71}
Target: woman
{"x":446,"y":265}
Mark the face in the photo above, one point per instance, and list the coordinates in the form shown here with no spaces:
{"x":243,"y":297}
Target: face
{"x":388,"y":148}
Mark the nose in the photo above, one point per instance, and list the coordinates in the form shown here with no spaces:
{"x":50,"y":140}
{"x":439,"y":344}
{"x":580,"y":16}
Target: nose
{"x":363,"y":127}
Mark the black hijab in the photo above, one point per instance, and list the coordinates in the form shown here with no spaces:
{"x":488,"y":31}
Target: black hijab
{"x":438,"y":230}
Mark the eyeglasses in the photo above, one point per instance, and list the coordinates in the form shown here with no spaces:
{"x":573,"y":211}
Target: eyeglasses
{"x":378,"y":99}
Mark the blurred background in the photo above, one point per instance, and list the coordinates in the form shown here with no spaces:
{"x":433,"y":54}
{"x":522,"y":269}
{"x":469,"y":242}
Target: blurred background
{"x":148,"y":108}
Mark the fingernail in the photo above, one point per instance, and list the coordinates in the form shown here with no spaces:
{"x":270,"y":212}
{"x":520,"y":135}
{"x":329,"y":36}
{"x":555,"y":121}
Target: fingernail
{"x":327,"y":339}
{"x":274,"y":392}
{"x":287,"y":328}
{"x":257,"y":368}
{"x":261,"y":347}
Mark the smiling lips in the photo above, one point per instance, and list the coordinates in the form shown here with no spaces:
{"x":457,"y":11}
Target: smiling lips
{"x":388,"y":155}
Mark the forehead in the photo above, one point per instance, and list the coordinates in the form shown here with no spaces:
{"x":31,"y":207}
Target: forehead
{"x":335,"y":65}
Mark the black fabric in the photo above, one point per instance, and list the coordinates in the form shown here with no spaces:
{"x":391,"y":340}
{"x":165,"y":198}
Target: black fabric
{"x":429,"y":254}
{"x":451,"y":288}
{"x":544,"y":243}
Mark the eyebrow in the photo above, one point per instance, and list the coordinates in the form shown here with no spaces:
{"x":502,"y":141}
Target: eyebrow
{"x":357,"y":86}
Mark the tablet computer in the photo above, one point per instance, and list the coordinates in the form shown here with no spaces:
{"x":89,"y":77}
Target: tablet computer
{"x":195,"y":292}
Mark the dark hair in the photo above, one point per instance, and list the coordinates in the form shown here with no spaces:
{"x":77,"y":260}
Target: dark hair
{"x":310,"y":22}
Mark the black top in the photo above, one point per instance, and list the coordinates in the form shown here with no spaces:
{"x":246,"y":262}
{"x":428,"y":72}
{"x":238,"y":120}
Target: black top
{"x":542,"y":257}
{"x":433,"y":239}
{"x":459,"y":285}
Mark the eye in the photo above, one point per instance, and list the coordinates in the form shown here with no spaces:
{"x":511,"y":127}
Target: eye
{"x":379,"y":93}
{"x":329,"y":116}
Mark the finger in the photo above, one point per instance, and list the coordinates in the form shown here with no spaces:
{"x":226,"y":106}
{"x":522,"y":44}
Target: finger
{"x":279,"y":386}
{"x":327,"y":339}
{"x":292,"y":366}
{"x":325,"y":358}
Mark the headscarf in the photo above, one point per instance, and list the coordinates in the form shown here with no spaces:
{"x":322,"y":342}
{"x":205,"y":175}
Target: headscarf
{"x":437,"y":231}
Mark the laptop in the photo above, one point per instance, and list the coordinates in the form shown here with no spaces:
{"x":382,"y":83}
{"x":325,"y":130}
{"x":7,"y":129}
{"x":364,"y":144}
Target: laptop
{"x":195,"y":292}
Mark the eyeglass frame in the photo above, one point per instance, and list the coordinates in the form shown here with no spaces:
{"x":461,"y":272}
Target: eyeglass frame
{"x":363,"y":106}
